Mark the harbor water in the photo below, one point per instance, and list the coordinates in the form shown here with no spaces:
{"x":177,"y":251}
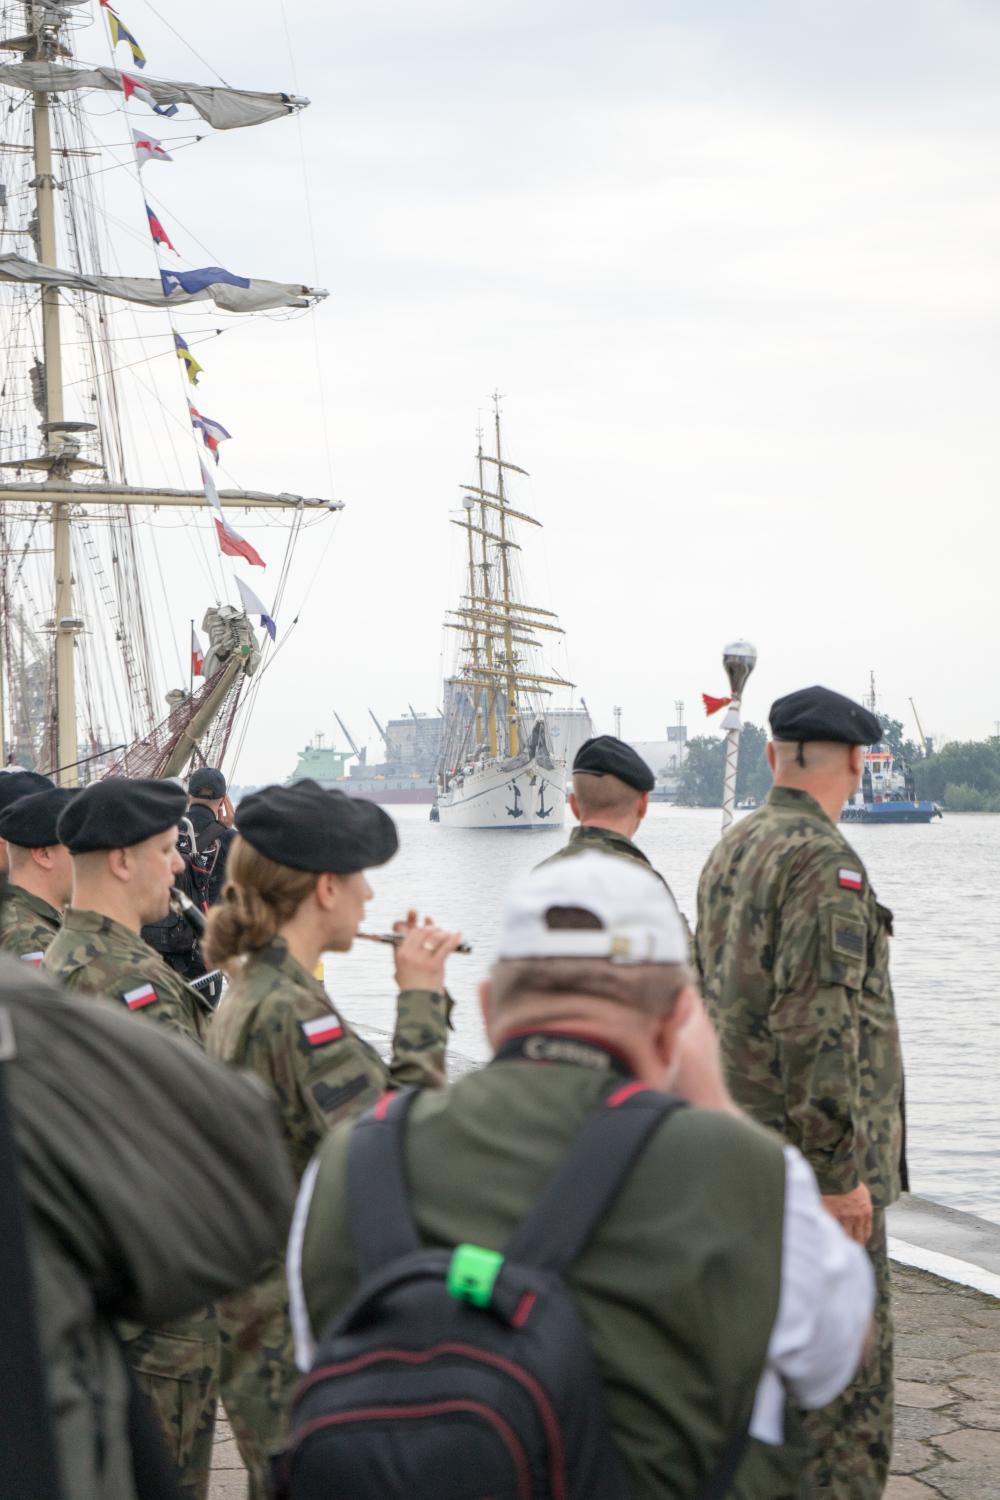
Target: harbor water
{"x":940,"y":880}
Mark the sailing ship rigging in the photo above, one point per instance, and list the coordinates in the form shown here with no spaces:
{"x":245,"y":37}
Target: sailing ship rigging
{"x":81,"y":680}
{"x":497,"y":767}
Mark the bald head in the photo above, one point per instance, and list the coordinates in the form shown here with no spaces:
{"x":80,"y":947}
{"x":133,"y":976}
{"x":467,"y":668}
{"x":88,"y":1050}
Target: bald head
{"x":828,"y":770}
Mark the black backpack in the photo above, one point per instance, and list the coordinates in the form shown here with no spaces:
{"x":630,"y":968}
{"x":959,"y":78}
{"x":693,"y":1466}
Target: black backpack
{"x":467,"y":1375}
{"x":173,"y":934}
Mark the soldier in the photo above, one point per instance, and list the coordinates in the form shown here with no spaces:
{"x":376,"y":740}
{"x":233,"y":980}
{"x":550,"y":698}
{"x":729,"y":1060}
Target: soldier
{"x":794,"y":957}
{"x":40,"y":874}
{"x":610,"y":798}
{"x":295,"y":891}
{"x":122,"y":836}
{"x":14,"y":784}
{"x":154,"y":1180}
{"x":211,"y":815}
{"x":712,"y":1281}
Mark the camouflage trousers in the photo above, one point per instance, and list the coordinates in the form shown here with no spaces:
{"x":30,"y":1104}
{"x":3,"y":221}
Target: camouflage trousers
{"x":258,"y":1373}
{"x":180,"y":1375}
{"x":851,"y":1439}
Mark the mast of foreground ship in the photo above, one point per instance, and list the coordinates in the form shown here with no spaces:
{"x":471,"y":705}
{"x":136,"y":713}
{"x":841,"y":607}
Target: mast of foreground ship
{"x":39,"y":76}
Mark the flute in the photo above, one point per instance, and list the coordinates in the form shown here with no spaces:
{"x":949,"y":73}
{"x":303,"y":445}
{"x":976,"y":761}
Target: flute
{"x":182,"y":905}
{"x":395,"y":938}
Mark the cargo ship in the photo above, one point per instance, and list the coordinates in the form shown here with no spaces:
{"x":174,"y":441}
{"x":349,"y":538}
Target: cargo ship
{"x":408,"y":774}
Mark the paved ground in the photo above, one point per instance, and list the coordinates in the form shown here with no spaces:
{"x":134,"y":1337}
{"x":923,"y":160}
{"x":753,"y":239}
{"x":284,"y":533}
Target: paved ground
{"x":947,"y":1397}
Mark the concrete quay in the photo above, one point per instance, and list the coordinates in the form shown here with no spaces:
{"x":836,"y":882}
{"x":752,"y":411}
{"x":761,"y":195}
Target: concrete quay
{"x":946,"y":1269}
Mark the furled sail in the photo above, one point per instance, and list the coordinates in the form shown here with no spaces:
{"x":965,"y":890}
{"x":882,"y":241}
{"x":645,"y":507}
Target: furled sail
{"x":223,"y":108}
{"x":247,"y":296}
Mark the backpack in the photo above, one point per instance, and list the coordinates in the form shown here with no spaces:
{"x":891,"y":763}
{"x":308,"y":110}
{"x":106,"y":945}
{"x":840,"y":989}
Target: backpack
{"x":466,"y":1374}
{"x":173,"y":934}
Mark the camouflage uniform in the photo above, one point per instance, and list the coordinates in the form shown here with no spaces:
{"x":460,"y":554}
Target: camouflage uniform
{"x":279,"y":1021}
{"x":793,"y":953}
{"x":27,"y":924}
{"x":177,"y":1363}
{"x":585,"y":839}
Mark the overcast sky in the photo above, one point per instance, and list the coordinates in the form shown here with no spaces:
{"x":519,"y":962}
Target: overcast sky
{"x":733,"y":268}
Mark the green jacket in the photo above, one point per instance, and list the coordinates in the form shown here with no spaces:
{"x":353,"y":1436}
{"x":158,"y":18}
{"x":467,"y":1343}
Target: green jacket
{"x":156,"y":1182}
{"x":278,"y":1020}
{"x":793,"y":953}
{"x":99,"y":956}
{"x":584,"y":840}
{"x":677,"y":1297}
{"x":27,"y":923}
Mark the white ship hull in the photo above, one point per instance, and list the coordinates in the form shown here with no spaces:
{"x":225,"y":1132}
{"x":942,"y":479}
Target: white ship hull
{"x":530,"y":797}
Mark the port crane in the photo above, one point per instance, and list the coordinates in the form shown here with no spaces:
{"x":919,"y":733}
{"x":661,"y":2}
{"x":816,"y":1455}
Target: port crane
{"x":361,"y":754}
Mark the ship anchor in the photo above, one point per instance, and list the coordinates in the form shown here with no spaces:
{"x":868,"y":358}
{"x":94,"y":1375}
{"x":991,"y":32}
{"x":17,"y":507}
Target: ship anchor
{"x":517,"y":811}
{"x":543,"y":811}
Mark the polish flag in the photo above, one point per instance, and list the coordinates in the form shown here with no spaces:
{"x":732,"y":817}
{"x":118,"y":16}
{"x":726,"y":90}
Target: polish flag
{"x":323,"y":1029}
{"x":33,"y":958}
{"x":231,"y":544}
{"x":850,"y":879}
{"x":197,"y":656}
{"x":137,"y":998}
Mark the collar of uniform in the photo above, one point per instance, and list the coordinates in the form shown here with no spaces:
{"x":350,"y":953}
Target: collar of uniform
{"x":583,"y":833}
{"x":34,"y":903}
{"x":277,"y":956}
{"x":76,"y":920}
{"x":793,"y":796}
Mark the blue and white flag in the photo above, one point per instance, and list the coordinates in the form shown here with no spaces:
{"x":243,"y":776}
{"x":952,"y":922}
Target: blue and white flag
{"x":253,"y":606}
{"x":196,"y":281}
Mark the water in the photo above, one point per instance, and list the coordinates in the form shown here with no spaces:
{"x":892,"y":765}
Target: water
{"x":941,"y":882}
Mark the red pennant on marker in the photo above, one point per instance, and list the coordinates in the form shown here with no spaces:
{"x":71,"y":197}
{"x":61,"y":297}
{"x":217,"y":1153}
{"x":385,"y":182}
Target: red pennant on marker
{"x":712,"y":705}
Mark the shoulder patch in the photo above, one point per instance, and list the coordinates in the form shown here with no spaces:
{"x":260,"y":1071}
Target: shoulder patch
{"x":321,"y":1030}
{"x":142,"y":995}
{"x":33,"y":958}
{"x":851,"y":880}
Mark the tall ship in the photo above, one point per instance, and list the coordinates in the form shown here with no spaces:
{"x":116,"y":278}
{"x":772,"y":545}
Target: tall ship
{"x":407,"y":774}
{"x":99,"y":388}
{"x":498,"y":767}
{"x":887,"y":793}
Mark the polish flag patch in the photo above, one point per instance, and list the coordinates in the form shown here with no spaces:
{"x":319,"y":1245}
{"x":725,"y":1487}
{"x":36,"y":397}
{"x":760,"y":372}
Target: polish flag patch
{"x":33,"y":958}
{"x":851,"y":880}
{"x":142,"y":996}
{"x":323,"y":1029}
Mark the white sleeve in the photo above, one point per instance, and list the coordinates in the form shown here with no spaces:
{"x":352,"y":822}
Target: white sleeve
{"x":305,"y":1342}
{"x":824,"y":1307}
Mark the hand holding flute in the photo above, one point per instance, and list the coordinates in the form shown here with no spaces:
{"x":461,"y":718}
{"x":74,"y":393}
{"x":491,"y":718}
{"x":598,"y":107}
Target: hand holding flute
{"x":421,"y":951}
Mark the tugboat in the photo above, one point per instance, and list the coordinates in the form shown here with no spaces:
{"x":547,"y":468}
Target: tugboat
{"x":887,"y":793}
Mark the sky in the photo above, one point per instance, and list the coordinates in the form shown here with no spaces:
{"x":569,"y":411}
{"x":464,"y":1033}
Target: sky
{"x":733,"y":270}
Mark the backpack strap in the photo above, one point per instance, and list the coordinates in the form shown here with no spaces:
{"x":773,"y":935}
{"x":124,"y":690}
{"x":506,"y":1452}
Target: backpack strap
{"x":378,"y":1203}
{"x":589,"y":1177}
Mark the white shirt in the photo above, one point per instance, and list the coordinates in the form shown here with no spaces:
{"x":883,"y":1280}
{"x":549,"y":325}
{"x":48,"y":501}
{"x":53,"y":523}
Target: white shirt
{"x":825,"y":1303}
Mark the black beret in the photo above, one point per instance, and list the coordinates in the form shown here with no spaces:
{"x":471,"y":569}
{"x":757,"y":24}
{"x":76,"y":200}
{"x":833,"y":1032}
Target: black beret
{"x":17,"y":784}
{"x":306,"y":828}
{"x":207,"y":782}
{"x":31,"y":821}
{"x":120,"y":812}
{"x":606,"y":756}
{"x":816,"y":713}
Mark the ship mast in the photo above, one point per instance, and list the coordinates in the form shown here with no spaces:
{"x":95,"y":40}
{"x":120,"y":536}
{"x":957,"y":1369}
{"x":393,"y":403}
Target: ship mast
{"x":491,"y":693}
{"x":44,"y":34}
{"x":510,"y":684}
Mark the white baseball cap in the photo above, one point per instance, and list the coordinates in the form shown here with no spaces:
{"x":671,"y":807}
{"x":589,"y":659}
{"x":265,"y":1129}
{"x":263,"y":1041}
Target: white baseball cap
{"x":639,"y":923}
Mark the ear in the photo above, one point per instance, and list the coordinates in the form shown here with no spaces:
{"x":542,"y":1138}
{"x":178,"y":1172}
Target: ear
{"x":327,"y":892}
{"x":643,"y":807}
{"x":486,"y":1007}
{"x":856,"y":761}
{"x":574,"y":806}
{"x":770,"y":754}
{"x":43,"y":858}
{"x":669,"y":1027}
{"x":120,"y":864}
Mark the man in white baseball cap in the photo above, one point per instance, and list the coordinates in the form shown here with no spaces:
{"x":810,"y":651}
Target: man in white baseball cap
{"x":714,"y":1283}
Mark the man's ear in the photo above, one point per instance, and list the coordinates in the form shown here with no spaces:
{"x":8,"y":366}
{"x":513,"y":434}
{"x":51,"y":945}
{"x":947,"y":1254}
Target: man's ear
{"x":643,"y":807}
{"x":770,"y":754}
{"x":669,"y":1027}
{"x":486,"y":1007}
{"x":120,"y":864}
{"x":574,"y":806}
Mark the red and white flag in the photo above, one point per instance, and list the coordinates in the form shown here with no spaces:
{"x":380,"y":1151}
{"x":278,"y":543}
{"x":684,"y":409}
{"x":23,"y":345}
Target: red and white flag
{"x":851,"y":880}
{"x":147,"y":148}
{"x":197,"y":656}
{"x":143,"y":995}
{"x":323,"y":1029}
{"x":231,"y":544}
{"x":133,"y":88}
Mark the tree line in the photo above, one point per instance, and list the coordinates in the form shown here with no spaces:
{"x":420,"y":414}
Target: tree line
{"x":964,"y":776}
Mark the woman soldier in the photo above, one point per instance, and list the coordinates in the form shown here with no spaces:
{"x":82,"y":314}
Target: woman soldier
{"x":295,"y":889}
